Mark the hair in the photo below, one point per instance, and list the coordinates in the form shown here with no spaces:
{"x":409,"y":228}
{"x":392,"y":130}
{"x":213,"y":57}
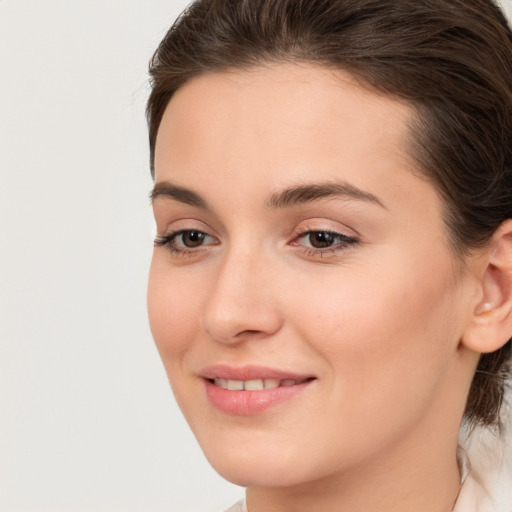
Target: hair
{"x":450,"y":59}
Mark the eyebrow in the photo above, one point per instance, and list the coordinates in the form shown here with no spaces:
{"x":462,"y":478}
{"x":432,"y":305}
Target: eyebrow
{"x":313,"y":192}
{"x":293,"y":196}
{"x":180,"y":194}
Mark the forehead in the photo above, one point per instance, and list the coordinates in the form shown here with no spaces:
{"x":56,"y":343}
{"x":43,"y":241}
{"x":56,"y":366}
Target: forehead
{"x":284,"y":106}
{"x":270,"y":127}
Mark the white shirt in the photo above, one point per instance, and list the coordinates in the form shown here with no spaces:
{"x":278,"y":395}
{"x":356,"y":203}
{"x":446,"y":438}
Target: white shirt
{"x":488,"y":483}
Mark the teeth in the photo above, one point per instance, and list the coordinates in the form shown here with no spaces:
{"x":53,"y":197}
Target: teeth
{"x":253,"y":385}
{"x":235,"y":385}
{"x":222,"y":383}
{"x":271,"y":383}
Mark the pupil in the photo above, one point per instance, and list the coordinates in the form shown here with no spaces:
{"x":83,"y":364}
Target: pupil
{"x":193,"y":238}
{"x":321,"y":239}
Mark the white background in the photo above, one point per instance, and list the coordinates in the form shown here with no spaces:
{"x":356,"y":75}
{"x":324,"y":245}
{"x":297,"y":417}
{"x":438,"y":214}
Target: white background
{"x":87,"y":420}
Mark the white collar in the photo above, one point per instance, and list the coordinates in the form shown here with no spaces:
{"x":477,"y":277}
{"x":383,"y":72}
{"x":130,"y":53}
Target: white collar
{"x":488,"y":483}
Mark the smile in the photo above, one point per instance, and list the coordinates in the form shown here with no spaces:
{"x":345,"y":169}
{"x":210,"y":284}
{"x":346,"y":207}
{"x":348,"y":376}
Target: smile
{"x":256,"y":384}
{"x":251,"y":390}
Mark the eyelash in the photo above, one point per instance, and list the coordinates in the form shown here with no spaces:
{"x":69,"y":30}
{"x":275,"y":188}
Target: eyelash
{"x":343,"y":242}
{"x":169,"y":241}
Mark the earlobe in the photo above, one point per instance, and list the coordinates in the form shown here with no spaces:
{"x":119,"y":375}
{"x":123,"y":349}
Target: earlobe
{"x":484,"y":307}
{"x":491,"y":323}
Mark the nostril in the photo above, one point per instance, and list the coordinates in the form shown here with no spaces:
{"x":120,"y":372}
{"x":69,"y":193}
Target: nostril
{"x":249,"y":334}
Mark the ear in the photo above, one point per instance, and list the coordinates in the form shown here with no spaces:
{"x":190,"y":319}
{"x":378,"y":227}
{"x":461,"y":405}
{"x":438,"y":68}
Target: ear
{"x":490,"y":326}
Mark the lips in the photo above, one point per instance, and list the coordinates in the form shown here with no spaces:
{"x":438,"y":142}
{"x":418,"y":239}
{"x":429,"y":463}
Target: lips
{"x":251,"y":389}
{"x":255,"y":384}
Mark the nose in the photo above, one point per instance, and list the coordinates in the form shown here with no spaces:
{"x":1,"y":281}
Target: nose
{"x":243,"y":304}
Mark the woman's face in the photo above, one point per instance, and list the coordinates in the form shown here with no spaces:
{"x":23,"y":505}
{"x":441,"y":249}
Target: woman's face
{"x":299,"y":252}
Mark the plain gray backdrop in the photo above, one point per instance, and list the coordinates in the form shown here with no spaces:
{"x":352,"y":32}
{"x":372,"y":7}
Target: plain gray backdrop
{"x":87,"y":420}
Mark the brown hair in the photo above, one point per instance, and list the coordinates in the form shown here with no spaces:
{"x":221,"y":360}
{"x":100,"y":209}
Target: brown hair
{"x":451,"y":59}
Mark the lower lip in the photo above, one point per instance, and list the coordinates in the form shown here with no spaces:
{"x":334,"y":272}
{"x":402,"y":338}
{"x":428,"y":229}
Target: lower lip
{"x":247,"y":403}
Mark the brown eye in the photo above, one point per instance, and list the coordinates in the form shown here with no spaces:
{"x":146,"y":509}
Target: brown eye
{"x":186,"y":241}
{"x":192,"y":238}
{"x":321,"y":239}
{"x":322,"y":243}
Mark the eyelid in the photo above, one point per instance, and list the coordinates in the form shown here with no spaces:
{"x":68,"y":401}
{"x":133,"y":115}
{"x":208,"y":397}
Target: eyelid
{"x":335,"y":234}
{"x":168,"y":226}
{"x":178,"y":232}
{"x":168,"y":237}
{"x":327,"y":225}
{"x":343,"y":240}
{"x":180,"y":250}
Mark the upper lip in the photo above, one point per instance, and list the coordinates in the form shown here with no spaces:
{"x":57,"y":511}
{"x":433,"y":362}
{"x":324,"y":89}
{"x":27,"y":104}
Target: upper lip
{"x":251,"y":372}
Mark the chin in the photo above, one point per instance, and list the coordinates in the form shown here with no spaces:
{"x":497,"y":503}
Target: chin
{"x":257,"y":471}
{"x":262,"y":462}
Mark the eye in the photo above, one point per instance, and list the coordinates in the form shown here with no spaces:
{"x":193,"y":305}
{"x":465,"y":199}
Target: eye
{"x":191,"y":238}
{"x":322,"y":242}
{"x":185,"y":241}
{"x":320,"y":239}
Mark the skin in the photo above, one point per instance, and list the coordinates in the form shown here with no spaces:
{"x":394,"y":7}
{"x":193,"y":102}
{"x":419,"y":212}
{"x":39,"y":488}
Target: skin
{"x":380,"y":322}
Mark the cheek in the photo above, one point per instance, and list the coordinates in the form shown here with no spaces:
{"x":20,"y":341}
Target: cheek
{"x":173,"y":309}
{"x":391,"y":331}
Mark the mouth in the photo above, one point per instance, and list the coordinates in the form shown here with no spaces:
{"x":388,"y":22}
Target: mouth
{"x":256,"y":384}
{"x":251,"y":390}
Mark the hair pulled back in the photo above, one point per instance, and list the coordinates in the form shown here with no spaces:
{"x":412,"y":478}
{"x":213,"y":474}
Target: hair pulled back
{"x":450,"y":59}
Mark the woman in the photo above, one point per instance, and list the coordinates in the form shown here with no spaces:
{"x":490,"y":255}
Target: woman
{"x":331,"y":286}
